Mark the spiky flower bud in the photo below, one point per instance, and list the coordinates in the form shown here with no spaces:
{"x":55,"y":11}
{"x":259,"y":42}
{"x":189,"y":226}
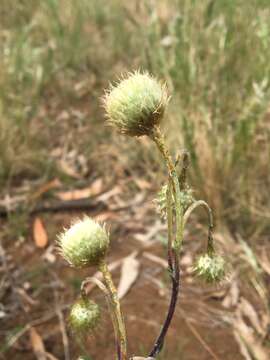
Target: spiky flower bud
{"x":210,"y":267}
{"x":84,"y":316}
{"x":136,"y":104}
{"x":85,"y":243}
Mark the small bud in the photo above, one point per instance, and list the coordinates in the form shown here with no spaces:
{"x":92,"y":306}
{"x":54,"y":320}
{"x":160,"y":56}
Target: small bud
{"x":85,"y":243}
{"x":136,"y":104}
{"x":84,"y":316}
{"x":210,"y":267}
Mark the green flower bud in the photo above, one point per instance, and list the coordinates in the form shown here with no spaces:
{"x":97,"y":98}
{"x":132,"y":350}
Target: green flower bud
{"x":136,"y":104}
{"x":85,"y":243}
{"x":84,"y":316}
{"x":210,"y":267}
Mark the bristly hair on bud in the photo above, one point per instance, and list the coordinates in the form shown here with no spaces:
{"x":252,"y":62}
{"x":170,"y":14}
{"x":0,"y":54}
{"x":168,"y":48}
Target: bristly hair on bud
{"x":84,"y":244}
{"x":84,"y":316}
{"x":136,"y":104}
{"x":211,"y":268}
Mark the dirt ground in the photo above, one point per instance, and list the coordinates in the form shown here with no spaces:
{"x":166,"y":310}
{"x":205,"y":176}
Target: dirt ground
{"x":39,"y":288}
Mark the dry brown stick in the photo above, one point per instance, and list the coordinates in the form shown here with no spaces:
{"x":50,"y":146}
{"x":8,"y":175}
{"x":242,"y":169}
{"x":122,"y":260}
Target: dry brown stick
{"x":56,"y":206}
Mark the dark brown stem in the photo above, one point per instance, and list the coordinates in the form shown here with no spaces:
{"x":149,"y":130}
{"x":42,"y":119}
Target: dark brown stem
{"x":174,"y":296}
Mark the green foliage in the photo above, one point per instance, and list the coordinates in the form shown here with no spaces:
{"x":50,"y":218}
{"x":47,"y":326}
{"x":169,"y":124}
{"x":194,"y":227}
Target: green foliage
{"x":214,"y":56}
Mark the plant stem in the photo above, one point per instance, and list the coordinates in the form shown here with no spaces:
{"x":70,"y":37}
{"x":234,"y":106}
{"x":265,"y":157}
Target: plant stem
{"x":122,"y":354}
{"x":170,"y":226}
{"x":175,"y":291}
{"x":210,"y":244}
{"x":158,"y":138}
{"x":173,"y":247}
{"x":106,"y":292}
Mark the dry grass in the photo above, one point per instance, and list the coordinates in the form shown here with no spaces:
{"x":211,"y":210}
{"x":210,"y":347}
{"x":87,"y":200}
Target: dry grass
{"x":59,"y":55}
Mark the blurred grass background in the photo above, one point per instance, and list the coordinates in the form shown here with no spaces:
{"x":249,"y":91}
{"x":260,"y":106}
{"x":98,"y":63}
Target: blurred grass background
{"x":57,"y":56}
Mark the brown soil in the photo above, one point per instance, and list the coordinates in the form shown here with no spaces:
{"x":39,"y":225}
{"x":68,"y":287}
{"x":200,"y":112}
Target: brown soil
{"x":39,"y":287}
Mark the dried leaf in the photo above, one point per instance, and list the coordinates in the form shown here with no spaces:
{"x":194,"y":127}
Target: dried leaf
{"x":37,"y":344}
{"x":248,"y":310}
{"x":249,"y":340}
{"x":150,"y":232}
{"x":242,"y":346}
{"x":232,"y":297}
{"x":142,"y":184}
{"x":49,"y":254}
{"x":129,"y":274}
{"x":45,"y":188}
{"x":92,"y":190}
{"x":265,"y":263}
{"x":39,"y":233}
{"x":106,"y":215}
{"x":112,"y":192}
{"x":73,"y":194}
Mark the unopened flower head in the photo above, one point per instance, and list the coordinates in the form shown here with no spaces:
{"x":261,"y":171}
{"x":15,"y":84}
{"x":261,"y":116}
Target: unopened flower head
{"x":210,"y":267}
{"x":84,"y":316}
{"x":136,"y":104}
{"x":85,"y":243}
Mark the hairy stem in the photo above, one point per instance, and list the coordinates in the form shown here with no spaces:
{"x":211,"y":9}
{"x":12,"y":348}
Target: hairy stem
{"x":170,"y":226}
{"x":174,"y":247}
{"x":210,"y":244}
{"x":116,"y":309}
{"x":158,"y":138}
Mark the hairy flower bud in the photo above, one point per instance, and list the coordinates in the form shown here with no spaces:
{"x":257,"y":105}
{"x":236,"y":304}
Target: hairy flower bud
{"x":84,"y":316}
{"x":85,"y":243}
{"x":210,"y":267}
{"x":136,"y":104}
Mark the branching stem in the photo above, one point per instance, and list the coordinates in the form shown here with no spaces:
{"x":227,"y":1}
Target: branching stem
{"x":210,"y":244}
{"x":116,"y":309}
{"x":174,"y":245}
{"x":106,"y":292}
